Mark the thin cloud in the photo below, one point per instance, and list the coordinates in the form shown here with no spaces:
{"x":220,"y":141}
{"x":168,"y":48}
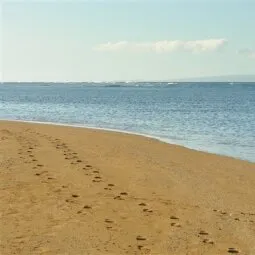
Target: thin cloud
{"x":250,"y":53}
{"x":164,"y":46}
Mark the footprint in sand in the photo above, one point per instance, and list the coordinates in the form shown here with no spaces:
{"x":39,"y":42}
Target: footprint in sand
{"x":202,"y":232}
{"x":174,"y":218}
{"x":75,"y":195}
{"x":108,"y":221}
{"x":140,"y":238}
{"x":118,"y":198}
{"x":69,"y":201}
{"x":109,"y":187}
{"x":233,"y":250}
{"x":139,"y":247}
{"x":209,"y":241}
{"x":147,"y":210}
{"x":142,"y":204}
{"x":174,"y":224}
{"x":38,"y":174}
{"x":96,"y":180}
{"x":124,"y":193}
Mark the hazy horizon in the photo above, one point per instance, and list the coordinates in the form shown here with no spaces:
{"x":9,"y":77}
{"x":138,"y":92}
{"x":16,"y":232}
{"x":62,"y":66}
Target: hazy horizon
{"x":221,"y":78}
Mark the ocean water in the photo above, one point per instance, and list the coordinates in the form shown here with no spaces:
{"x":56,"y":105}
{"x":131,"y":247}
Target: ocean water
{"x":213,"y":117}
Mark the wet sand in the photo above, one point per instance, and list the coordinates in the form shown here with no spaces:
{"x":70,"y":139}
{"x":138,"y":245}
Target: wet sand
{"x":78,"y":191}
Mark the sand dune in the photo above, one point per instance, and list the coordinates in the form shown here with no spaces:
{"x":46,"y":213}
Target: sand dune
{"x":77,"y":191}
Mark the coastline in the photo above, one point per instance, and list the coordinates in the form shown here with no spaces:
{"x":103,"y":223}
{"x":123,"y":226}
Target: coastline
{"x":70,"y":190}
{"x":158,"y":138}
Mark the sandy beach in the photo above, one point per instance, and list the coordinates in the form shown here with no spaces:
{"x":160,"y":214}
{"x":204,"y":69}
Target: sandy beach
{"x":68,"y":190}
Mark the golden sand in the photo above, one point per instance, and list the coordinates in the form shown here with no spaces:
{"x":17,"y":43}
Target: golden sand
{"x":78,"y":191}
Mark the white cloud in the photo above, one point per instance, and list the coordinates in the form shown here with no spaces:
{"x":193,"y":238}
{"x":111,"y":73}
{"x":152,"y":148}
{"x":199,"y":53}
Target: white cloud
{"x":164,"y":46}
{"x":247,"y":52}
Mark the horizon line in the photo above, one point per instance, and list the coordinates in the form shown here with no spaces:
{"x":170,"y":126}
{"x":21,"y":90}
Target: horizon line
{"x":226,"y":78}
{"x":120,"y":81}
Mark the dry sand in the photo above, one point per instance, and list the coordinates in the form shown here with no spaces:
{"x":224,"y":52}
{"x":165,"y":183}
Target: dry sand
{"x":76,"y":191}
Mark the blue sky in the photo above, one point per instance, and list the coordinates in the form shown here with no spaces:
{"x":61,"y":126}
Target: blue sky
{"x":126,"y":40}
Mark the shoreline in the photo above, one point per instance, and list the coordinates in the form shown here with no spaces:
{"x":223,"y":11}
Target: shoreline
{"x":126,"y":132}
{"x":67,"y":190}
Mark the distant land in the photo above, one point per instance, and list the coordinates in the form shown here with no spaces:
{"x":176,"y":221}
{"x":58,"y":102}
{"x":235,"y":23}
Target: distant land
{"x":223,"y":78}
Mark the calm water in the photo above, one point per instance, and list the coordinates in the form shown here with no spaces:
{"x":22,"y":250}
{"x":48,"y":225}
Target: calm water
{"x":218,"y":118}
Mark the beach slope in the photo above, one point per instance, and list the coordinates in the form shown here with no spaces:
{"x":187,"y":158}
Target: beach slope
{"x":68,"y":190}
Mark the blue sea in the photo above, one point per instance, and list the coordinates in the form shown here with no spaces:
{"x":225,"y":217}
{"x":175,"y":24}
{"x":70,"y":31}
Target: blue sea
{"x":212,"y":117}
